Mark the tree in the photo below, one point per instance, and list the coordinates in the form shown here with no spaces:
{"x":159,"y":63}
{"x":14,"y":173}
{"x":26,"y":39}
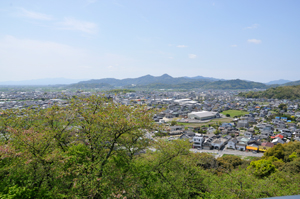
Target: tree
{"x":86,"y":149}
{"x":282,"y":106}
{"x":262,"y":168}
{"x":227,"y":115}
{"x":229,"y":162}
{"x":173,"y":123}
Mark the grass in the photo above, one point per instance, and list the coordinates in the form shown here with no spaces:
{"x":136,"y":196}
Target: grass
{"x":250,"y":158}
{"x":234,"y":113}
{"x":206,"y":123}
{"x":240,"y":156}
{"x":263,"y":103}
{"x":213,"y":121}
{"x":182,"y":123}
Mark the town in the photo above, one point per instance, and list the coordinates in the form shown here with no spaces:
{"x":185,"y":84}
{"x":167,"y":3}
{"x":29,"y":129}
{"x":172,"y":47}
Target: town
{"x":214,"y":121}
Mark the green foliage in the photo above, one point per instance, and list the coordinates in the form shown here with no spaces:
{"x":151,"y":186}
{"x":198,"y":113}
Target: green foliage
{"x":291,"y":167}
{"x":229,"y":162}
{"x":276,"y":151}
{"x":173,"y":123}
{"x":262,"y":168}
{"x":292,"y":156}
{"x":94,"y":148}
{"x":285,"y":152}
{"x":283,"y":92}
{"x":227,"y":84}
{"x":160,"y":134}
{"x":217,"y":132}
{"x":234,"y":113}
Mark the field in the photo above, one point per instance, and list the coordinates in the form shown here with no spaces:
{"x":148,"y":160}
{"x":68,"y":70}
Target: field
{"x":206,"y":123}
{"x":234,"y":113}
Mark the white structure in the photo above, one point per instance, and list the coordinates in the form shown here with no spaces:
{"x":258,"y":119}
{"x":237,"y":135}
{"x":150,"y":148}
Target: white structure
{"x":203,"y":115}
{"x":198,"y":141}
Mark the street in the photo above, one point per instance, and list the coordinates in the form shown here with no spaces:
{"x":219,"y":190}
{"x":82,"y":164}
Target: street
{"x":229,"y":152}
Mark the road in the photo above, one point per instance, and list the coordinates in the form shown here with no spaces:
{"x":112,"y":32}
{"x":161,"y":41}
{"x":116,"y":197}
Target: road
{"x":229,"y":152}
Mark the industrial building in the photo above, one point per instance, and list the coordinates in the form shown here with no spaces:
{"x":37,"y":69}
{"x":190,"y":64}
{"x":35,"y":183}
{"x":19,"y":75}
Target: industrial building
{"x":203,"y":115}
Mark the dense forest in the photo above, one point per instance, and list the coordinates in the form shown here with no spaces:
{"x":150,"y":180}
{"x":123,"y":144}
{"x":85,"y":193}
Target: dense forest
{"x":284,"y":92}
{"x":93,"y":148}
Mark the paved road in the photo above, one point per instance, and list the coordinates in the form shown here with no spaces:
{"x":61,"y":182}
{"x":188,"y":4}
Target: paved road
{"x":230,"y":152}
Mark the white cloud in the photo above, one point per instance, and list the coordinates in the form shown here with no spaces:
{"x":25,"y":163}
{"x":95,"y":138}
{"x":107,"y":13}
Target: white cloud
{"x":35,"y":15}
{"x":254,"y":41}
{"x":234,"y":45}
{"x":181,"y":46}
{"x":73,"y":24}
{"x":252,"y":27}
{"x":192,"y":56}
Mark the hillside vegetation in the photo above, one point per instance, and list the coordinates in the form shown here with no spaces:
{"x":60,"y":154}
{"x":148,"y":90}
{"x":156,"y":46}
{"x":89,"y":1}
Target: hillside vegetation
{"x":226,"y":84}
{"x":167,"y":82}
{"x":294,"y":83}
{"x":144,"y":80}
{"x":283,"y":92}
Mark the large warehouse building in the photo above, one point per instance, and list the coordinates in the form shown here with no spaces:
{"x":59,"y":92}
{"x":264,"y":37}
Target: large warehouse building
{"x":203,"y":115}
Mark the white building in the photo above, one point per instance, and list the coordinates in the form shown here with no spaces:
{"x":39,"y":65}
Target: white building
{"x":203,"y":115}
{"x":198,"y":141}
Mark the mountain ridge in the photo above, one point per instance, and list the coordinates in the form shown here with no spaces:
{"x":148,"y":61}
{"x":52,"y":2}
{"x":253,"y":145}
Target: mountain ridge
{"x":279,"y":82}
{"x":143,"y":80}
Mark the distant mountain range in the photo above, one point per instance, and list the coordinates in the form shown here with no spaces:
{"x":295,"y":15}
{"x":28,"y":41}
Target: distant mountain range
{"x":280,"y":81}
{"x":204,"y":78}
{"x":221,"y":84}
{"x":167,"y":82}
{"x":47,"y":81}
{"x":294,"y":83}
{"x":144,"y":80}
{"x":160,"y":82}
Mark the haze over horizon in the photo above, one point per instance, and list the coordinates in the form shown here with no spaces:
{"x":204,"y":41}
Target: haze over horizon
{"x":93,"y":39}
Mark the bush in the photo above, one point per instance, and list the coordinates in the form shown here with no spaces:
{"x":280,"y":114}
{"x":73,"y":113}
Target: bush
{"x":173,"y":123}
{"x":262,"y":168}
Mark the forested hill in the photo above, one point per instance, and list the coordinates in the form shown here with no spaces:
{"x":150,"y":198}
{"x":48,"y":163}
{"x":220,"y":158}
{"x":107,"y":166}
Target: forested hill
{"x":168,"y":82}
{"x":235,"y":84}
{"x":294,"y":83}
{"x":284,"y":92}
{"x":144,"y":80}
{"x":226,"y":84}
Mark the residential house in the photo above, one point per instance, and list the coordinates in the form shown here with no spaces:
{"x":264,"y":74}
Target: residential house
{"x":231,"y":143}
{"x":277,"y":141}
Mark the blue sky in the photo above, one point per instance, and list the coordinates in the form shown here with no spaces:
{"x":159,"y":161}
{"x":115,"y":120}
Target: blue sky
{"x":84,"y":39}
